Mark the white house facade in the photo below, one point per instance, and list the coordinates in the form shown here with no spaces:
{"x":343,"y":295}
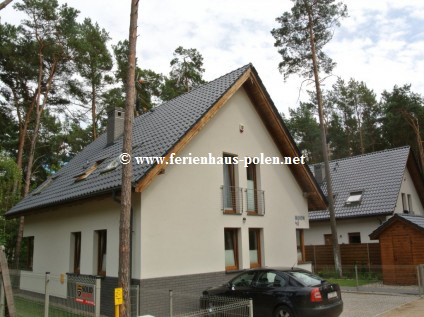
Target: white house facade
{"x":193,"y":225}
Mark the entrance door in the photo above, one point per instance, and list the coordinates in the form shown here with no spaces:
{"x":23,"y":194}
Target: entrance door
{"x":402,"y":253}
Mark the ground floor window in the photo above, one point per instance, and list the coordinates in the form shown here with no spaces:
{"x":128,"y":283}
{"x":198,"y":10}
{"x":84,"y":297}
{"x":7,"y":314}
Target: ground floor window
{"x":300,"y":242}
{"x":101,"y":252}
{"x":255,"y":248}
{"x":76,"y":243}
{"x":354,"y":237}
{"x":27,"y":253}
{"x":231,"y":249}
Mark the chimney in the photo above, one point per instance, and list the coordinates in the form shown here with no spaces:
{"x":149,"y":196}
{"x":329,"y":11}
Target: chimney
{"x":319,"y":173}
{"x":115,"y":125}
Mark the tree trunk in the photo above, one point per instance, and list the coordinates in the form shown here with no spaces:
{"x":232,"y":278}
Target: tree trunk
{"x":336,"y":247}
{"x":124,"y":278}
{"x":93,"y":110}
{"x":4,"y":4}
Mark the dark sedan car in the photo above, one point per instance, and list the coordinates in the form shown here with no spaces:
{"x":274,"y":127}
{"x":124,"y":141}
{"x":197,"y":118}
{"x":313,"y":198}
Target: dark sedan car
{"x":284,"y":292}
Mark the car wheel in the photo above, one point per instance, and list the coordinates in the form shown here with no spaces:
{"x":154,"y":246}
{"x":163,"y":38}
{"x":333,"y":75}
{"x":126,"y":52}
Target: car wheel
{"x":283,"y":311}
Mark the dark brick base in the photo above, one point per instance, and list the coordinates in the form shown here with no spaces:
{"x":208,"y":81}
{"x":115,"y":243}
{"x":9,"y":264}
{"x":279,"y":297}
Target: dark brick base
{"x":154,"y":293}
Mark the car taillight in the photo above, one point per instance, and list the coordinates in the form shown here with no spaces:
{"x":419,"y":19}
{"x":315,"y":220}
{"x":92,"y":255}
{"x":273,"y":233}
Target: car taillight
{"x":316,"y":295}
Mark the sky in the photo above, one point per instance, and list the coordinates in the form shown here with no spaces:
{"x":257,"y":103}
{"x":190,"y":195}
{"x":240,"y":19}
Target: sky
{"x":380,"y":43}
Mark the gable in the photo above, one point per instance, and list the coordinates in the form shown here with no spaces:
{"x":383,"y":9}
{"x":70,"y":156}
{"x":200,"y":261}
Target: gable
{"x":165,"y":130}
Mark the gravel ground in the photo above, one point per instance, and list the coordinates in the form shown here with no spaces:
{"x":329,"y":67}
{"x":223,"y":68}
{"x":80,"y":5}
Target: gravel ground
{"x":370,"y":305}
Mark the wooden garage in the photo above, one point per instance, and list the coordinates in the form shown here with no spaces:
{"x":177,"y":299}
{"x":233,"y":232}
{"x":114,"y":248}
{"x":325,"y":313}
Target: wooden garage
{"x":401,"y":247}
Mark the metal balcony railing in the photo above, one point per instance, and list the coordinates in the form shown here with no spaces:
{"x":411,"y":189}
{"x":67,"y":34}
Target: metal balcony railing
{"x":232,"y":199}
{"x":255,"y":201}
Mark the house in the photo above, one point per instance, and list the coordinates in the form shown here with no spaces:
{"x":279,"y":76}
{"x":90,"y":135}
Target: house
{"x":402,"y":248}
{"x":192,"y":224}
{"x":368,"y":189}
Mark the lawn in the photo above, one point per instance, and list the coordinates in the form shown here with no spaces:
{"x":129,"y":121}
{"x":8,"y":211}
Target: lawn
{"x":30,"y":308}
{"x":349,"y":282}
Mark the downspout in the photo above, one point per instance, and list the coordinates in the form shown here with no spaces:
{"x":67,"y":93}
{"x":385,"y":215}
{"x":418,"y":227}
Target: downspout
{"x":117,"y":200}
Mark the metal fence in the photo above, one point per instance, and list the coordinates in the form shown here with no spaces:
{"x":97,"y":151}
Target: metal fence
{"x":394,"y":279}
{"x":179,"y":304}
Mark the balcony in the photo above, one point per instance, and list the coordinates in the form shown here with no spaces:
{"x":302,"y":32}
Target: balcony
{"x":237,"y":199}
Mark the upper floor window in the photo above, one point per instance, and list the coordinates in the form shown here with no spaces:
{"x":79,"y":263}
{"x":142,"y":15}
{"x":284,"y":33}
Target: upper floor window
{"x":404,"y":204}
{"x":410,"y":204}
{"x":230,"y":191}
{"x":354,"y":237}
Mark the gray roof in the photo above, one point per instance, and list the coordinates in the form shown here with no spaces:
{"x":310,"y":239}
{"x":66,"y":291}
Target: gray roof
{"x":416,"y":221}
{"x":154,"y":134}
{"x":378,"y":175}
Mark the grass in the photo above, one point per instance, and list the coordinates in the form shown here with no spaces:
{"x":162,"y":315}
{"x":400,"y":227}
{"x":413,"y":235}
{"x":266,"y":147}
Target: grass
{"x":30,"y":308}
{"x":350,"y":282}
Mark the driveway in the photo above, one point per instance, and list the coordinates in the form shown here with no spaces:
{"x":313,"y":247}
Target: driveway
{"x":370,"y":305}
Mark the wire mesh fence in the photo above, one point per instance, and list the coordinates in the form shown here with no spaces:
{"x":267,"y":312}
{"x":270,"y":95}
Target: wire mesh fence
{"x":38,"y":294}
{"x":396,"y":279}
{"x":179,"y":304}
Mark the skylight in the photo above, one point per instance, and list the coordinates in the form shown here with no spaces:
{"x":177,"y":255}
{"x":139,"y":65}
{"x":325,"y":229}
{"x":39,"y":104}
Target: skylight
{"x":44,"y":185}
{"x":354,"y":198}
{"x":111,"y":166}
{"x":88,"y":171}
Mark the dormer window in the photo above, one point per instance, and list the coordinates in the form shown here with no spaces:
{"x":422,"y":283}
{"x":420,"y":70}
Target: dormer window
{"x":111,"y":166}
{"x":354,"y":198}
{"x":88,"y":171}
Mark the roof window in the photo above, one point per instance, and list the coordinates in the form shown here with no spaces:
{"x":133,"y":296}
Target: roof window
{"x":44,"y":185}
{"x":354,"y":198}
{"x":112,"y":165}
{"x":88,"y":171}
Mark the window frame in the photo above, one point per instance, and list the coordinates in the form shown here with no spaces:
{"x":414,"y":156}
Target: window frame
{"x":300,"y":246}
{"x":352,"y":235}
{"x":233,"y":232}
{"x":76,"y":243}
{"x":258,"y":239}
{"x":232,"y":172}
{"x":101,"y":252}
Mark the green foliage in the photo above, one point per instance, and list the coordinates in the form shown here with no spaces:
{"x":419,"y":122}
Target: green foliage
{"x":292,"y":38}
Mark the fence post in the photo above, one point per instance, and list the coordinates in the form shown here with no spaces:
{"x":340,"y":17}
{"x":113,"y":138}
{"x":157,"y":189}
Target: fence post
{"x":250,"y":307}
{"x":369,"y":258}
{"x":356,"y":277}
{"x":2,"y":306}
{"x":171,"y":308}
{"x":46,"y":295}
{"x":98,"y":297}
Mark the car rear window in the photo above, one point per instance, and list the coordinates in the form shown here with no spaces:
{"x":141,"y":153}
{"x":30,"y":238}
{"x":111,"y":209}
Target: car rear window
{"x":306,"y":278}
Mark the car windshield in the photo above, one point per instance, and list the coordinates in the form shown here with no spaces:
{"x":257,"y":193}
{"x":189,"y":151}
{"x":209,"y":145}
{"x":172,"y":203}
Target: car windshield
{"x":306,"y":278}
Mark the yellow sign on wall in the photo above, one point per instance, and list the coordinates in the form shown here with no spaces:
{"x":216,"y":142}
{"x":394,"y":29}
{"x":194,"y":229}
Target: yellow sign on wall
{"x":118,"y":296}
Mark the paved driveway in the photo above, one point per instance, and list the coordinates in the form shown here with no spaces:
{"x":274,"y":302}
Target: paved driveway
{"x":370,"y":305}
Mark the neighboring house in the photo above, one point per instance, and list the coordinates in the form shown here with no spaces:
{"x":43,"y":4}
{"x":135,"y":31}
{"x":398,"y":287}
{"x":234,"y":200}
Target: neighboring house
{"x":367,"y":190}
{"x":402,"y":248}
{"x":192,"y":223}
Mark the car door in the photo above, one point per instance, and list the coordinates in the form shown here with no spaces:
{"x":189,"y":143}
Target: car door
{"x":267,"y":292}
{"x":239,"y":286}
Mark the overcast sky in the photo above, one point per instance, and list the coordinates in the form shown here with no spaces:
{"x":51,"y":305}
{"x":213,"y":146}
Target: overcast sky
{"x":380,"y":43}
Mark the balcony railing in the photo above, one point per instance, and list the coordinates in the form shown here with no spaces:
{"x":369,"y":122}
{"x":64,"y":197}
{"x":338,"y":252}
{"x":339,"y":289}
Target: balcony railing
{"x":232,"y":199}
{"x":255,"y":201}
{"x":237,"y":199}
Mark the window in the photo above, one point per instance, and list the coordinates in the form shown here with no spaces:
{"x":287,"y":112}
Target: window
{"x":111,"y":165}
{"x":269,"y":280}
{"x":231,"y":249}
{"x":88,"y":171}
{"x":76,"y":252}
{"x":354,"y":237}
{"x":101,"y":252}
{"x":354,"y":198}
{"x":43,"y":186}
{"x":410,"y":204}
{"x":328,"y":239}
{"x":252,"y":189}
{"x":27,"y":253}
{"x":230,"y":191}
{"x":243,"y":280}
{"x":255,"y":248}
{"x":300,"y":246}
{"x":404,"y":206}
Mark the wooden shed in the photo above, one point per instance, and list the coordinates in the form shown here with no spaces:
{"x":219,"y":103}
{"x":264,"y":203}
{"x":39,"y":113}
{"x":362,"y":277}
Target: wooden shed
{"x":402,"y":248}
